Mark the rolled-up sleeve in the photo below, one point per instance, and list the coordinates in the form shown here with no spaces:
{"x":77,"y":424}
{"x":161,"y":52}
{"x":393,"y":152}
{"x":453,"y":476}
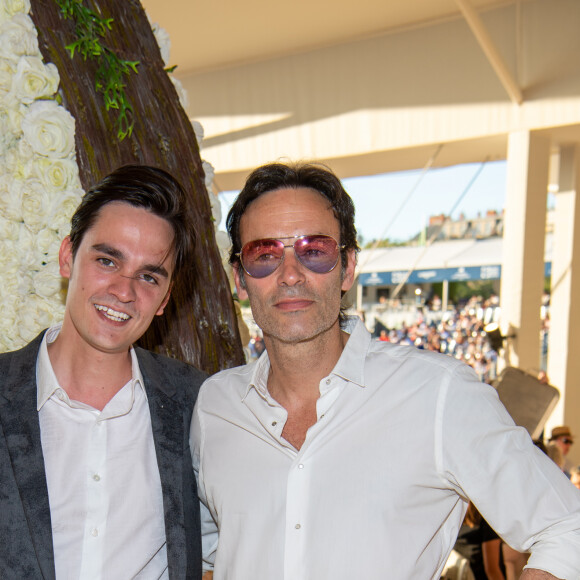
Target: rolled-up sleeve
{"x":523,"y":495}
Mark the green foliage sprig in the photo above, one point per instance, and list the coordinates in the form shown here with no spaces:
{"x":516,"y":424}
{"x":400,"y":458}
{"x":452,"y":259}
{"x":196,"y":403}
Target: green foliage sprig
{"x":90,"y":29}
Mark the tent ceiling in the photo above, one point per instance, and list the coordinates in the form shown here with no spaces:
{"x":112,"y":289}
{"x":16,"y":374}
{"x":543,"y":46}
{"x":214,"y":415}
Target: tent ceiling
{"x":373,"y":86}
{"x":210,"y":35}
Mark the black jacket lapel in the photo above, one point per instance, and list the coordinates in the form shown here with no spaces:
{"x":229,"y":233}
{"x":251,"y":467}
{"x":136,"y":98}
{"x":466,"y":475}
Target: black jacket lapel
{"x":167,"y":422}
{"x":21,"y":429}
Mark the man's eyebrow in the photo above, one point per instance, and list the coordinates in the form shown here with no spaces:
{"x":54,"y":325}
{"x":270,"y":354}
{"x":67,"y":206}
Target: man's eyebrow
{"x":156,"y":269}
{"x":117,"y":254}
{"x":109,"y":250}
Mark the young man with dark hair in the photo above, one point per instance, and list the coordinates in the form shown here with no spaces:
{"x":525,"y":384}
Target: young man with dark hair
{"x":337,"y":457}
{"x":95,"y":477}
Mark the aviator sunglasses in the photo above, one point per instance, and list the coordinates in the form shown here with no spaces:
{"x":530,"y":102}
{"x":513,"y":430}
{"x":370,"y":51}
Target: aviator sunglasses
{"x":318,"y":253}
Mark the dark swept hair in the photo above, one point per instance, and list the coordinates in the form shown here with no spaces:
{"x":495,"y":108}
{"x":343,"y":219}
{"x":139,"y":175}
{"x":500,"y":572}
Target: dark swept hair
{"x":145,"y":187}
{"x":276,"y":176}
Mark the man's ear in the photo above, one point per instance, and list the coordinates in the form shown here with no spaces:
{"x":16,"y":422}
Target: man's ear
{"x":165,"y":301}
{"x":240,"y":280}
{"x":65,"y":258}
{"x":349,"y":271}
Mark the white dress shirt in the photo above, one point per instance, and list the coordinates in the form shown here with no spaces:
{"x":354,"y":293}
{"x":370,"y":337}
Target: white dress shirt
{"x":379,"y":488}
{"x":106,"y":503}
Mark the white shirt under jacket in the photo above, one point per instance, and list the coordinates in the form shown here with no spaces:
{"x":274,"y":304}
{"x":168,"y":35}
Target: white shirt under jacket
{"x":104,"y":488}
{"x":379,"y":488}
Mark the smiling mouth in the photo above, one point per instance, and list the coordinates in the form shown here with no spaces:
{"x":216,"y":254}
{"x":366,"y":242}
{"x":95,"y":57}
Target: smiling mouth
{"x":111,"y":314}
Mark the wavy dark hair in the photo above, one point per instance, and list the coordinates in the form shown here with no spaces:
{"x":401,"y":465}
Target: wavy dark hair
{"x":141,"y":186}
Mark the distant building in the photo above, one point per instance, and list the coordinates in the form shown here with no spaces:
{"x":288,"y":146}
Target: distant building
{"x":442,"y":228}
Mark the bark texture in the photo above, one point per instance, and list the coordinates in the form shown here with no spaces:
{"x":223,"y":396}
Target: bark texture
{"x":199,"y":325}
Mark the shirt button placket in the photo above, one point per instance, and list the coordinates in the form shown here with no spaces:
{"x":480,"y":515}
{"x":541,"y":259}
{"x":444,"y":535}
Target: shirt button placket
{"x":296,"y":518}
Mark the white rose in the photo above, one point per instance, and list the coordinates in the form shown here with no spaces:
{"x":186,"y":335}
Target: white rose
{"x":18,"y":37}
{"x":8,"y":8}
{"x":47,"y":243}
{"x":47,"y":282}
{"x":56,"y":174}
{"x":36,"y":314}
{"x":28,"y":255}
{"x":25,"y":151}
{"x":209,"y":174}
{"x":7,"y":68}
{"x":223,"y":243}
{"x":49,"y":129}
{"x":9,"y":338}
{"x":222,"y":240}
{"x":63,"y":209}
{"x":36,"y":205}
{"x":19,"y":162}
{"x":9,"y":229}
{"x":10,"y":198}
{"x":7,"y":138}
{"x":10,"y":264}
{"x":10,"y":282}
{"x":163,"y":41}
{"x":34,"y":80}
{"x":199,"y":132}
{"x":181,"y":92}
{"x":10,"y":127}
{"x":28,"y":323}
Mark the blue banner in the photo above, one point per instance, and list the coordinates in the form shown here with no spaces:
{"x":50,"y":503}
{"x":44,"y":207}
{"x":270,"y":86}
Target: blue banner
{"x":460,"y":274}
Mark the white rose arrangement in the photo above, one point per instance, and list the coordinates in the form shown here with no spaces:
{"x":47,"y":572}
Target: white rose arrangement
{"x":39,"y":181}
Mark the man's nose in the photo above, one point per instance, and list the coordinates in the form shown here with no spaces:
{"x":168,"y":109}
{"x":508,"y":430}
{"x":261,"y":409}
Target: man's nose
{"x":291,"y":271}
{"x":123,"y":288}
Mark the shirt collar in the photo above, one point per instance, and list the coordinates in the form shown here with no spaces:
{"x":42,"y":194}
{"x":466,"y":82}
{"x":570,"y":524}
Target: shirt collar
{"x":259,"y":376}
{"x":46,"y":381}
{"x":350,"y":365}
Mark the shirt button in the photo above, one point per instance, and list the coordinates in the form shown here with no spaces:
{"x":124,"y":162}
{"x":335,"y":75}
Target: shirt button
{"x":274,"y":423}
{"x":97,"y":477}
{"x":300,"y":466}
{"x":94,"y":532}
{"x":297,"y":526}
{"x":60,"y":395}
{"x":328,"y":381}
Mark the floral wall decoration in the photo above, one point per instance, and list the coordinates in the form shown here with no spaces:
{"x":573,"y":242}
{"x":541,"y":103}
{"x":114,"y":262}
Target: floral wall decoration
{"x":39,"y":181}
{"x":40,"y":186}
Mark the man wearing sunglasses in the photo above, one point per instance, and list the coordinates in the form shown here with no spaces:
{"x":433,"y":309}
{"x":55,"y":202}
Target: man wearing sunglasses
{"x":336,"y":457}
{"x":563,"y":438}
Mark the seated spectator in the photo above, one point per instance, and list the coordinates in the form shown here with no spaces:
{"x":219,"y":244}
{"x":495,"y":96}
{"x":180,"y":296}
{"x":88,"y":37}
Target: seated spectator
{"x":562,"y":437}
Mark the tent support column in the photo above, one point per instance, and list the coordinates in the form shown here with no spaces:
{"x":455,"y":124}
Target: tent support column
{"x":522,"y":273}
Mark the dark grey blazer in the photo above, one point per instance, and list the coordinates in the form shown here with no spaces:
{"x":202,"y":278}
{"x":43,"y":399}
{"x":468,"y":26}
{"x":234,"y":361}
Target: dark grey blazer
{"x":25,"y":529}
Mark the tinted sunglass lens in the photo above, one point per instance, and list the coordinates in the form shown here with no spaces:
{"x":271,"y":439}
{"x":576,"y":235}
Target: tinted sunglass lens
{"x":318,"y":253}
{"x":261,"y":257}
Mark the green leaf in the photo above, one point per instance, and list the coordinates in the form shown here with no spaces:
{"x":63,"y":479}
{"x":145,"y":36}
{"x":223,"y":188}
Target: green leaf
{"x":90,"y":28}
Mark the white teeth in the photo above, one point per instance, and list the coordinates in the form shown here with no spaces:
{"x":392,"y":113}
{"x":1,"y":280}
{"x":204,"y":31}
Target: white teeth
{"x":112,"y":314}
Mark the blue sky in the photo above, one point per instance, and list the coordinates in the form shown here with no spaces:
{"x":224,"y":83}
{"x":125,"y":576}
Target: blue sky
{"x":413,"y":196}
